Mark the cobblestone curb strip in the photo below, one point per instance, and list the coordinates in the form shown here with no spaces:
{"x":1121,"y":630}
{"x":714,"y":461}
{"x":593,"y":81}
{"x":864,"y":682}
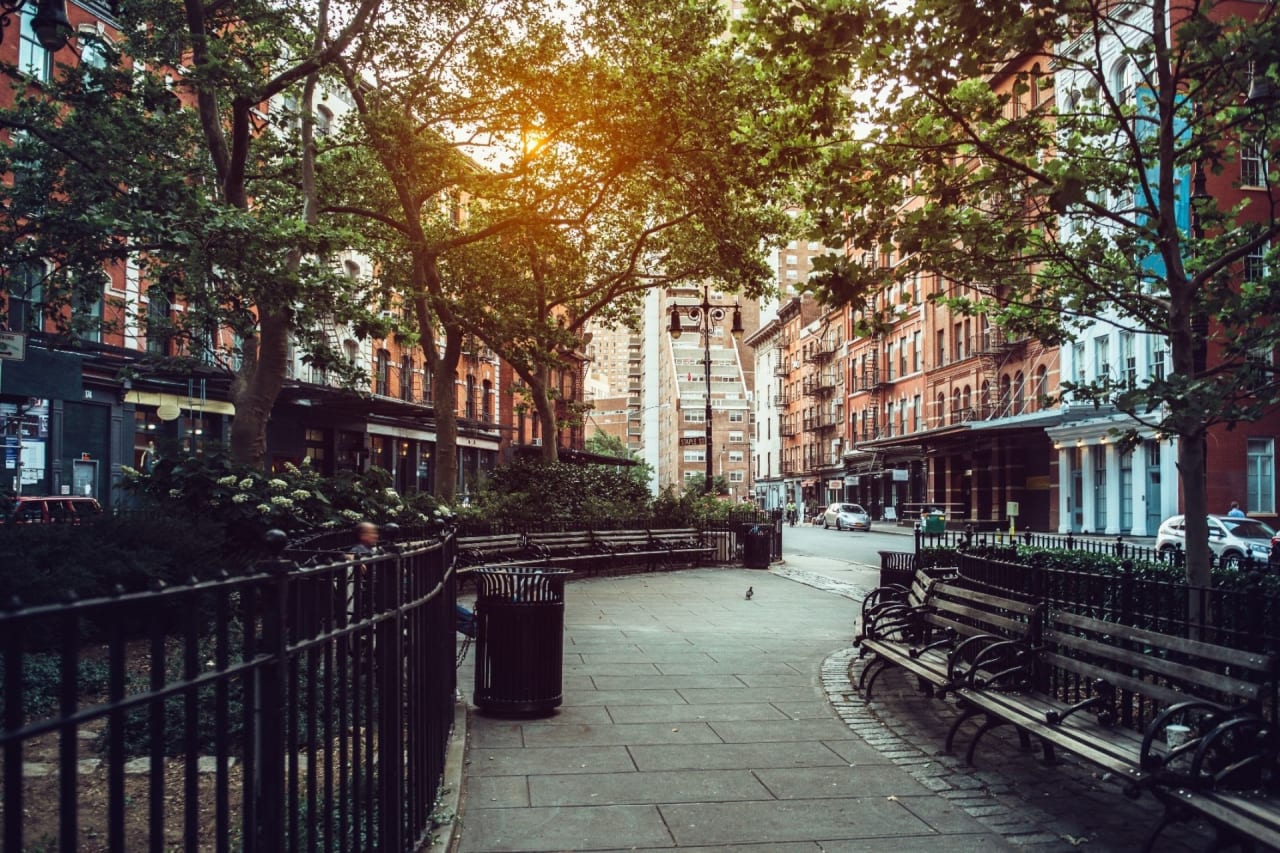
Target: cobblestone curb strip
{"x":1082,"y":809}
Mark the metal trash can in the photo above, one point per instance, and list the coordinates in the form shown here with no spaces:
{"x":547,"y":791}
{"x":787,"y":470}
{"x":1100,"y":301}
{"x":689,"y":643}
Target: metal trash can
{"x":519,"y":619}
{"x":757,"y":547}
{"x":935,"y":522}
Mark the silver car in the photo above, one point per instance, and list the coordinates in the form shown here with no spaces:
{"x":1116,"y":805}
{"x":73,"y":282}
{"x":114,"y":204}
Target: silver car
{"x":1231,"y":539}
{"x":846,"y":517}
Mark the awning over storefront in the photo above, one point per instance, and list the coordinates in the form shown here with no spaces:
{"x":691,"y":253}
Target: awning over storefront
{"x":182,"y":401}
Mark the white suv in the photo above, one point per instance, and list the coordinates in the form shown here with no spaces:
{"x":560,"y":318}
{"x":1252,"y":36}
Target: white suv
{"x":1230,"y":539}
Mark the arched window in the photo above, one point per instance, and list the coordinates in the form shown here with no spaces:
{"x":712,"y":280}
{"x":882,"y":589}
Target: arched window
{"x":1019,"y":392}
{"x":471,"y":396}
{"x":955,"y":406}
{"x":984,"y":399}
{"x":966,"y":402}
{"x":1006,"y":396}
{"x":941,"y":406}
{"x":486,"y":402}
{"x":1041,"y":389}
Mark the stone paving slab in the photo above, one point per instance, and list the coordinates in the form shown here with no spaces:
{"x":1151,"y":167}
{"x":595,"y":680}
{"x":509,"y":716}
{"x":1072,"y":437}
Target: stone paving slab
{"x":626,"y":734}
{"x":558,"y":828}
{"x":794,"y":820}
{"x":657,"y":787}
{"x":723,"y":711}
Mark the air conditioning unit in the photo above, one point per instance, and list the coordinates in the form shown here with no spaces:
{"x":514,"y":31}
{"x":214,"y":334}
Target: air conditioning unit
{"x":536,"y":442}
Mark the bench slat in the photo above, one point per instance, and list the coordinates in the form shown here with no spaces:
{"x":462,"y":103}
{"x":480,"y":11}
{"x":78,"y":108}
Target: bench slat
{"x":1255,"y":661}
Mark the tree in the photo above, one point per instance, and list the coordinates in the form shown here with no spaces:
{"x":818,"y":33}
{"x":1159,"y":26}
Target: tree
{"x":1090,"y":210}
{"x":214,"y":210}
{"x":537,"y":175}
{"x":604,"y":444}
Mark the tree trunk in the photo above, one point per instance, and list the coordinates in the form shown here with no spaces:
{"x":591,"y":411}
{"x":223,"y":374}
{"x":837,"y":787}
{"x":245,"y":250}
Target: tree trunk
{"x":255,"y":392}
{"x":444,"y":403}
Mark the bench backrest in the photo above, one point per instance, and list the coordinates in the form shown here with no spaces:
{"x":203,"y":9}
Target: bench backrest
{"x":971,"y":611}
{"x":561,"y":539}
{"x":679,"y":534}
{"x":1161,"y":667}
{"x":621,"y":538}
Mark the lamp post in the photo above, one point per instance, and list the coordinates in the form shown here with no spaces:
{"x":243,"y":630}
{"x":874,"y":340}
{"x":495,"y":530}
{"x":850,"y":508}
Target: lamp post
{"x":704,"y":317}
{"x":49,"y":23}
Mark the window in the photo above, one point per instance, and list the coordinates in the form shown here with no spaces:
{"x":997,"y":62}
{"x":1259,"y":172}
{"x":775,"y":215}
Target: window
{"x":33,"y":59}
{"x":1041,"y":389}
{"x":902,"y":356}
{"x":736,"y":437}
{"x":486,"y":401}
{"x":736,"y":456}
{"x":736,"y":477}
{"x":406,"y":378}
{"x":1019,"y":392}
{"x":737,"y":417}
{"x":471,"y":396}
{"x":940,"y":349}
{"x":915,"y":413}
{"x":915,"y":353}
{"x":1129,"y":360}
{"x":25,"y":312}
{"x":888,"y":361}
{"x":324,"y":121}
{"x":695,"y":456}
{"x":1102,"y":356}
{"x":1253,"y":165}
{"x":692,"y":416}
{"x":382,"y":375}
{"x":1255,"y":267}
{"x":1261,"y":466}
{"x":1077,"y":361}
{"x":1157,"y":361}
{"x":87,"y":316}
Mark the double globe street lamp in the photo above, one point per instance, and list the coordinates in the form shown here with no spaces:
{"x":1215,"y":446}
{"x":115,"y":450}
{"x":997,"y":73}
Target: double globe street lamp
{"x":705,"y":317}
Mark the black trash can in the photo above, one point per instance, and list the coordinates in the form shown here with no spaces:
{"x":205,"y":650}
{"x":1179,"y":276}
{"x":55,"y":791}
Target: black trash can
{"x":519,"y":639}
{"x":757,"y":547}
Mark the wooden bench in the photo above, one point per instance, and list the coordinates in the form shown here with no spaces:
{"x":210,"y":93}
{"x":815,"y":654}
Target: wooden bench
{"x":1098,"y":681}
{"x":679,"y":545}
{"x":571,"y":547}
{"x":954,"y":633}
{"x":498,"y":549}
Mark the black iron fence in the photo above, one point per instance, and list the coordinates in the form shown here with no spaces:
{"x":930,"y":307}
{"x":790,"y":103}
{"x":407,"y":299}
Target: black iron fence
{"x":289,"y":709}
{"x":1116,"y":547}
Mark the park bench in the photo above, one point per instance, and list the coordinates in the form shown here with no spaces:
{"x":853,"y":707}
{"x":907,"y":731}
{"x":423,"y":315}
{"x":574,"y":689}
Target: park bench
{"x":568,"y":548}
{"x":1098,"y":681}
{"x":954,"y":632}
{"x":679,"y":545}
{"x":498,"y":549}
{"x":1108,"y":693}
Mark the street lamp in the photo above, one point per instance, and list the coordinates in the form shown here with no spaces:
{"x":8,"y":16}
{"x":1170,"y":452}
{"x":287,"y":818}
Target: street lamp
{"x":704,"y":317}
{"x":50,"y":24}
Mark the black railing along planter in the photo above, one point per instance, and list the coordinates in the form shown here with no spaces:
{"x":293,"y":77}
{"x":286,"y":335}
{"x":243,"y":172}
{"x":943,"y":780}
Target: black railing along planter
{"x":289,"y":709}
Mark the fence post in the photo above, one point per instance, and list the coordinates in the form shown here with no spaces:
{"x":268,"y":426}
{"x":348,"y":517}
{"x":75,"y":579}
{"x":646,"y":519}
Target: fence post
{"x":388,"y":670}
{"x":917,"y":536}
{"x":1120,"y":546}
{"x":1126,"y":592}
{"x":271,"y":700}
{"x":1070,"y":541}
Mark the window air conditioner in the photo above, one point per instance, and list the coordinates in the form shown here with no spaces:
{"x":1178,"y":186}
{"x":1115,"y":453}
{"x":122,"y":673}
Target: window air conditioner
{"x":536,"y":442}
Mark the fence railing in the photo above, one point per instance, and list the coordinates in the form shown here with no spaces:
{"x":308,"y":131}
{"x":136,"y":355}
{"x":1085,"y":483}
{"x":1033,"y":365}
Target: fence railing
{"x":288,"y":709}
{"x":1116,"y":547}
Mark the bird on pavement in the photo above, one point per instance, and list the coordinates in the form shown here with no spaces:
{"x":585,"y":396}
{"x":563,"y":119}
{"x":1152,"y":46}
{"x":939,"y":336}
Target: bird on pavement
{"x":750,"y":592}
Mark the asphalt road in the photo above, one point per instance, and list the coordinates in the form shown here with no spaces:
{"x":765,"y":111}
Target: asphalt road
{"x":849,"y":557}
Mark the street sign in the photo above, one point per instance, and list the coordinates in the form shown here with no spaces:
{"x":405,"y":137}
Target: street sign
{"x":691,"y":440}
{"x":13,"y":346}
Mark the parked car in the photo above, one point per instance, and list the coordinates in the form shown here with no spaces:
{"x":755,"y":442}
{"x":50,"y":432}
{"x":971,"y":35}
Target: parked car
{"x":1231,"y":540}
{"x":846,"y":517}
{"x":55,"y":509}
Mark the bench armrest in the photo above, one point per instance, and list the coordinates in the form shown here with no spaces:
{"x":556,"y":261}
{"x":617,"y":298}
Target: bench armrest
{"x":1208,"y":715}
{"x":949,"y":636}
{"x":1238,"y":754}
{"x":1104,"y":693}
{"x":987,"y":661}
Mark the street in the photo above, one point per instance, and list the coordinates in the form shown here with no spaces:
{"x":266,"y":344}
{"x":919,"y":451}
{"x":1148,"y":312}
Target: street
{"x":847,"y":557}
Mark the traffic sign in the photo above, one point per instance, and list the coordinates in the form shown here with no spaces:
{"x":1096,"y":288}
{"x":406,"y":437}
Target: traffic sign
{"x":13,"y":346}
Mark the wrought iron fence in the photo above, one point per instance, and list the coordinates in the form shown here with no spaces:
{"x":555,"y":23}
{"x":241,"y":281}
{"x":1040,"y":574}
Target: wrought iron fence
{"x":1116,"y":547}
{"x":289,"y":709}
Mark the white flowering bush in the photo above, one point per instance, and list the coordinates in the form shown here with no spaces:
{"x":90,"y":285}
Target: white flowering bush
{"x":293,"y":498}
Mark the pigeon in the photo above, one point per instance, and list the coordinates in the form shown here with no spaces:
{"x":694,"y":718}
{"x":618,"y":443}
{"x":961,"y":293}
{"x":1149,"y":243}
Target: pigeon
{"x":750,"y":592}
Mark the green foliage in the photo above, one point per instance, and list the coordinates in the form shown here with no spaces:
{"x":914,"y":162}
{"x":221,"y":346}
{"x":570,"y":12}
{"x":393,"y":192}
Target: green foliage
{"x":608,"y":445}
{"x":248,"y":503}
{"x":535,"y":493}
{"x":42,"y":682}
{"x":46,"y":562}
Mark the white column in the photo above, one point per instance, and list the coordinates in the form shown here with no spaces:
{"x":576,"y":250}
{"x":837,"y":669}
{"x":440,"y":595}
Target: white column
{"x":1086,"y":489}
{"x":1138,"y":490}
{"x":1113,"y":489}
{"x":1169,"y":478}
{"x":1064,"y":489}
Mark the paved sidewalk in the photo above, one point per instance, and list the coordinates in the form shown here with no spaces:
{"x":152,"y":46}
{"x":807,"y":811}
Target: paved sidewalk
{"x":696,"y":719}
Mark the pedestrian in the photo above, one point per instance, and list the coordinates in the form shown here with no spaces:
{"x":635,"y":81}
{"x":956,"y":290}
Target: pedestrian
{"x":366,"y":540}
{"x":1235,"y":511}
{"x":791,"y":512}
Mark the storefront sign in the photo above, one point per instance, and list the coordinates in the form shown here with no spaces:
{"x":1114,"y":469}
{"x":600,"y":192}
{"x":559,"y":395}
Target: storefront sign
{"x":900,"y":475}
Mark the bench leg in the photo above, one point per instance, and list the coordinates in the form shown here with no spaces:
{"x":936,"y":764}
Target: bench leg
{"x":1024,"y":739}
{"x":1172,"y":814}
{"x":966,"y":715}
{"x":884,"y":665}
{"x":990,"y":724}
{"x":1050,"y":753}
